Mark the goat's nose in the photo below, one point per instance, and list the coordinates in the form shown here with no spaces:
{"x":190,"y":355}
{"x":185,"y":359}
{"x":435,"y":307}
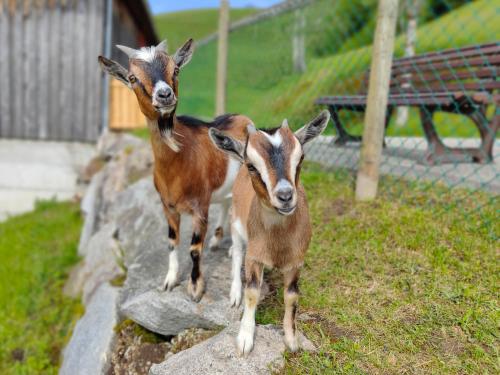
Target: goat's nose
{"x":164,"y":94}
{"x":285,"y":195}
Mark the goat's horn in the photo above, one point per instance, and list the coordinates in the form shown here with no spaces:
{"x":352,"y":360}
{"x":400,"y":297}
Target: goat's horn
{"x":162,"y":46}
{"x":130,"y":52}
{"x":284,"y":124}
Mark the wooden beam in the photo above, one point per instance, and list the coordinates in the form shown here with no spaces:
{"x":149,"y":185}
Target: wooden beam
{"x":220,"y":105}
{"x":378,"y":92}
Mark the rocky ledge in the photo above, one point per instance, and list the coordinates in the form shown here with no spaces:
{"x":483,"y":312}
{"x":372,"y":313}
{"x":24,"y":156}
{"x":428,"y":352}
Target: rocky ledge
{"x":124,"y":243}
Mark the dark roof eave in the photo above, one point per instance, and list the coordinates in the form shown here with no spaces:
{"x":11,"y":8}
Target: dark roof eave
{"x":139,"y":12}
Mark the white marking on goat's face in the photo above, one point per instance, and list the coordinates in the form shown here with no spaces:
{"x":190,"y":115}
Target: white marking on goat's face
{"x":273,"y":160}
{"x":154,"y":81}
{"x":164,"y":99}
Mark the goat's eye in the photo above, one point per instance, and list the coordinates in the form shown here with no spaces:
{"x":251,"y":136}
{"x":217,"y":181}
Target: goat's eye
{"x":132,"y":78}
{"x":251,"y":168}
{"x":176,"y":71}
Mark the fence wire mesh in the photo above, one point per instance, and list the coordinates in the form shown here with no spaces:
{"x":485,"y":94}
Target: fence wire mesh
{"x":440,"y":147}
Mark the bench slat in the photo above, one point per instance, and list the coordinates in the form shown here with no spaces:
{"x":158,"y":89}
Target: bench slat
{"x":453,"y":54}
{"x":422,"y":79}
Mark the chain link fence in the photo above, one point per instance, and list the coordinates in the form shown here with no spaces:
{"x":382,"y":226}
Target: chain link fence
{"x":440,"y":148}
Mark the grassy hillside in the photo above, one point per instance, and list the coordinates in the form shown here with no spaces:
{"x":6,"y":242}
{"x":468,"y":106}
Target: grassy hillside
{"x":177,"y":27}
{"x":261,"y":82}
{"x":37,"y":251}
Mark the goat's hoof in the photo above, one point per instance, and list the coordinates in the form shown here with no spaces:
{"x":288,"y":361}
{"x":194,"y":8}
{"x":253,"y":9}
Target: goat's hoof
{"x":197,"y":289}
{"x":292,"y":344}
{"x":245,"y":342}
{"x":170,"y":282}
{"x":235,"y":295}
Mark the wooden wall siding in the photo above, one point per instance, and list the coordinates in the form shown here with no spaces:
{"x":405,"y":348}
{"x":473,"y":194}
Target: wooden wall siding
{"x":50,"y":82}
{"x":124,"y":112}
{"x":124,"y":33}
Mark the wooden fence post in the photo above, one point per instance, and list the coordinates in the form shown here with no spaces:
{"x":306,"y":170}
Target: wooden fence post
{"x":298,"y":42}
{"x":220,"y":100}
{"x":378,"y":90}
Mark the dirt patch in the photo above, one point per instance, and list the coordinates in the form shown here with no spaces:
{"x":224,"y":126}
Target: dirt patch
{"x":17,"y":355}
{"x":133,"y":352}
{"x":451,"y":341}
{"x":338,"y":207}
{"x":137,"y":349}
{"x":327,"y":327}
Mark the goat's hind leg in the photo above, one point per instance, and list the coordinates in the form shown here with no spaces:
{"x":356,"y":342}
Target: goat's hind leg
{"x":196,"y":285}
{"x":253,"y":275}
{"x":291,"y":297}
{"x":221,"y":226}
{"x":172,"y":277}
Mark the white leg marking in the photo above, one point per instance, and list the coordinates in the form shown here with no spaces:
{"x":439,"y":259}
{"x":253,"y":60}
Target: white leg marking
{"x":237,"y":255}
{"x":173,"y":271}
{"x":247,"y":330}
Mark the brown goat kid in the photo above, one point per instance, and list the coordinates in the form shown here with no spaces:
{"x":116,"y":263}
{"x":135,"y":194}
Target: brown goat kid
{"x":270,"y":216}
{"x":189,"y":172}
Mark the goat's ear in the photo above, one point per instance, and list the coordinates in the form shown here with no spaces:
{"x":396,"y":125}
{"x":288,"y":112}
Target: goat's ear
{"x":184,"y":54}
{"x":313,"y":128}
{"x":114,"y":69}
{"x":224,"y":142}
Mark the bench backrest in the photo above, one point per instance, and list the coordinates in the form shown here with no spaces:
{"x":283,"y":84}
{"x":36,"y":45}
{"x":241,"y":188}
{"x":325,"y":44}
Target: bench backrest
{"x":469,"y":69}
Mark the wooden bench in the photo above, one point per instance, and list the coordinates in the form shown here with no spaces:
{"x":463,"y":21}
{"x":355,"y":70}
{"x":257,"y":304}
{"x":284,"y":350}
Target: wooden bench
{"x":459,"y":80}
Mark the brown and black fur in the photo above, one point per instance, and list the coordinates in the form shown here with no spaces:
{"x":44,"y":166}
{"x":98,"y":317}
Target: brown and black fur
{"x":188,"y":169}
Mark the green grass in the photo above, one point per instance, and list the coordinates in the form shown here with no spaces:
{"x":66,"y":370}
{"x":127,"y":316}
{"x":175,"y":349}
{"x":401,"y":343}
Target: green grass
{"x":177,"y":27}
{"x":262,"y":85}
{"x":390,"y":287}
{"x":36,"y":251}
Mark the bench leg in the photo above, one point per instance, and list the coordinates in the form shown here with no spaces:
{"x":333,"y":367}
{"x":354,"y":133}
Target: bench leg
{"x":438,"y":153}
{"x":342,"y":135}
{"x":487,"y":131}
{"x":388,"y":115}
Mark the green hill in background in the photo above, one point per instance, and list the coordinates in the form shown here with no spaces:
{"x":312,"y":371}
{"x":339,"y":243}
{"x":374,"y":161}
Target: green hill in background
{"x":262,"y":85}
{"x":177,"y":27}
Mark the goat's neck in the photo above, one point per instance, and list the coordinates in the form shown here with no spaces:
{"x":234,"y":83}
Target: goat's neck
{"x":161,"y":150}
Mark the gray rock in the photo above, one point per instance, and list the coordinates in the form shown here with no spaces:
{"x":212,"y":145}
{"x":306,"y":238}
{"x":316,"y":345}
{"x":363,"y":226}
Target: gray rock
{"x":100,"y":265}
{"x":90,"y":346}
{"x":89,"y":207}
{"x":218,"y":355}
{"x":143,"y":238}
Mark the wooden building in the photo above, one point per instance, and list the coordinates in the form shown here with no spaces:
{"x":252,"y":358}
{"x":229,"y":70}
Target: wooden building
{"x":51,"y":87}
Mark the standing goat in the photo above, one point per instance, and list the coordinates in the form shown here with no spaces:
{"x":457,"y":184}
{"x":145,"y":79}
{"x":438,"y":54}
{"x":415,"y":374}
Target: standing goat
{"x":270,"y":216}
{"x":189,"y":172}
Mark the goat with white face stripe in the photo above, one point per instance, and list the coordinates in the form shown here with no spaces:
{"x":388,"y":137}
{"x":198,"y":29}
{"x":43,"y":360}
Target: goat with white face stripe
{"x":270,"y":217}
{"x":189,"y":172}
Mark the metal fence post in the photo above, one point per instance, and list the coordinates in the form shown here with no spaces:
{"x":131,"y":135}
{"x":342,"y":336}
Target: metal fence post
{"x":378,"y":90}
{"x":220,"y":105}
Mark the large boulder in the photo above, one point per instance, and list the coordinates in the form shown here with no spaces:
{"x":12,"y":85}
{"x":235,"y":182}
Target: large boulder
{"x":218,"y":355}
{"x":142,"y":232}
{"x":90,"y":346}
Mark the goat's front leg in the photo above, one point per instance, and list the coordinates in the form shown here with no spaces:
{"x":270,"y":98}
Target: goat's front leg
{"x":221,"y":226}
{"x":253,"y":275}
{"x":291,"y":296}
{"x":196,"y":285}
{"x":173,"y":219}
{"x":236,"y":250}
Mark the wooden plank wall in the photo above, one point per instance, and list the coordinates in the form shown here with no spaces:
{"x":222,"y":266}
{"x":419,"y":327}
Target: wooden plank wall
{"x":49,"y":76}
{"x":124,"y":111}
